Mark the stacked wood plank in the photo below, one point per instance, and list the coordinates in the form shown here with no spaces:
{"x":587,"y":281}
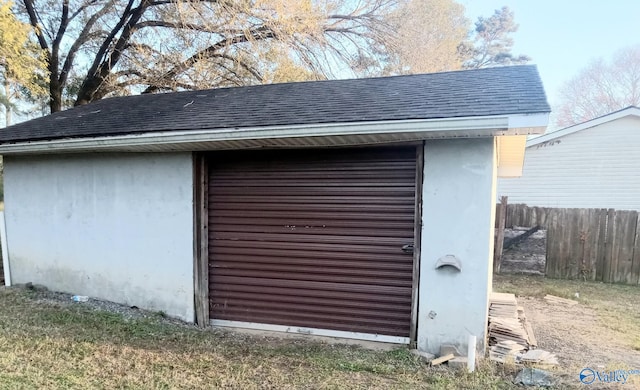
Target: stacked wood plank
{"x":504,"y":322}
{"x":538,"y":356}
{"x":507,"y":329}
{"x":531,"y":339}
{"x":506,"y":351}
{"x":511,"y":336}
{"x":507,"y":321}
{"x":533,"y":343}
{"x":502,"y":305}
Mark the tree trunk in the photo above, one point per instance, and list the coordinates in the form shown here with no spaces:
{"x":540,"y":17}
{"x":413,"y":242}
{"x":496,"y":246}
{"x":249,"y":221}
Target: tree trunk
{"x":7,"y":104}
{"x":7,"y":116}
{"x":88,"y":90}
{"x":55,"y":90}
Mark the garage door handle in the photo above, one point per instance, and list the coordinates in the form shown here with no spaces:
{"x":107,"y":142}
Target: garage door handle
{"x":408,"y":248}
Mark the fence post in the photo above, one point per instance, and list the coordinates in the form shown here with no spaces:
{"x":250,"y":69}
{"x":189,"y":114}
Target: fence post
{"x":497,"y":250}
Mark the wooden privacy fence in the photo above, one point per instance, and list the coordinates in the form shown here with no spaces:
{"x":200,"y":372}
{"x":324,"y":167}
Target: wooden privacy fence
{"x":591,"y":244}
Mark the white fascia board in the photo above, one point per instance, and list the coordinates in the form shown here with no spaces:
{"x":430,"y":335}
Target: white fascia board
{"x":479,"y":126}
{"x":534,"y":121}
{"x":630,"y":111}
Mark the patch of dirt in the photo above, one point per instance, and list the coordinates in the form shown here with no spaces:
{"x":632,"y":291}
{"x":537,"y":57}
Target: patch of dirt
{"x":527,"y":257}
{"x":578,"y":339}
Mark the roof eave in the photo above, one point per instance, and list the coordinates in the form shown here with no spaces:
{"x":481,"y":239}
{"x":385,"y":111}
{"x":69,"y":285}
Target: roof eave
{"x":319,"y":135}
{"x":629,"y":111}
{"x":511,"y":152}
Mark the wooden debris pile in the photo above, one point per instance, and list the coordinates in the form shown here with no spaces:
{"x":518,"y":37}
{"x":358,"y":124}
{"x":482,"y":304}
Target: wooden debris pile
{"x":558,"y":300}
{"x":506,"y":351}
{"x":506,"y":321}
{"x":538,"y":356}
{"x":449,"y":354}
{"x":511,"y":336}
{"x":503,"y":305}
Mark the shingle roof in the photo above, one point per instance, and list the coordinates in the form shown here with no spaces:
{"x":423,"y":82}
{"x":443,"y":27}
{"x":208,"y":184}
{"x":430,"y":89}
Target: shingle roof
{"x":482,"y":92}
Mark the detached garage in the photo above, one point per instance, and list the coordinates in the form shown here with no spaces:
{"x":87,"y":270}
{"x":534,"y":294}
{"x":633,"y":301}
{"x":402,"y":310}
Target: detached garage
{"x":352,"y":208}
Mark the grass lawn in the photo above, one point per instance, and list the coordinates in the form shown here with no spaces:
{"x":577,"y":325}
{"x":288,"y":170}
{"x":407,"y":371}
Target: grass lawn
{"x":69,"y":346}
{"x":49,"y":344}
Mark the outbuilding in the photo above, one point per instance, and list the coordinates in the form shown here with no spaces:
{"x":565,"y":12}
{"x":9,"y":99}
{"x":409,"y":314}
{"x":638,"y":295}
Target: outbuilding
{"x":356,"y":208}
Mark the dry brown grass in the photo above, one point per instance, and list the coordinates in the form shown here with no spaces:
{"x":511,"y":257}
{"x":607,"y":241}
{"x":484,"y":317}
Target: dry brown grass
{"x":617,"y":305}
{"x":53,"y":346}
{"x":600,"y":333}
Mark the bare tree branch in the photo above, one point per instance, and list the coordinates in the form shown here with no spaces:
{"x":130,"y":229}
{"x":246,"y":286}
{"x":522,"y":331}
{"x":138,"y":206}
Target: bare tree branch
{"x":35,"y":22}
{"x":600,"y":88}
{"x":85,"y":35}
{"x":257,"y":34}
{"x":157,"y":45}
{"x":99,"y":71}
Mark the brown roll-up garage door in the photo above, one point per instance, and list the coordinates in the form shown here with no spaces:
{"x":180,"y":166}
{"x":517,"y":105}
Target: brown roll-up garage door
{"x":313,"y":238}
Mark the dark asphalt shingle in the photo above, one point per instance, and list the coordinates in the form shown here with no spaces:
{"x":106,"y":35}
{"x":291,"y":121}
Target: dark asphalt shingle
{"x":482,"y":92}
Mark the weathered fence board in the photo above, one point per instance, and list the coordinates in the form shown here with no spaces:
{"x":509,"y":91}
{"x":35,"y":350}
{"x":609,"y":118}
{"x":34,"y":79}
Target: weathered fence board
{"x":501,"y":212}
{"x":590,"y":244}
{"x":608,"y":249}
{"x":600,"y":249}
{"x":635,"y":268}
{"x":624,"y":247}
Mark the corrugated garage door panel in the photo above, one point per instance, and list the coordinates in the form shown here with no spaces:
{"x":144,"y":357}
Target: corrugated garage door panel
{"x":313,"y":238}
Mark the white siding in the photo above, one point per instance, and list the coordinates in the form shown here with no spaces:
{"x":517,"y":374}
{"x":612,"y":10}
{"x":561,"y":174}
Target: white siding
{"x":112,"y":226}
{"x":597,"y":167}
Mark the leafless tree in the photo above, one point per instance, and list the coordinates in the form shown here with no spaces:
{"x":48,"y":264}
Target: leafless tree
{"x":100,"y":48}
{"x":600,"y":88}
{"x":427,"y":35}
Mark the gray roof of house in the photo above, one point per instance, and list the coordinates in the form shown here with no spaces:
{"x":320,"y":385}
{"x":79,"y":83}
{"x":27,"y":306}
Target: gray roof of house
{"x":482,"y":92}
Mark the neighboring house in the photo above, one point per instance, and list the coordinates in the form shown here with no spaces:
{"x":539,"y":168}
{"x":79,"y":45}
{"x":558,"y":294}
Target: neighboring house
{"x":595,"y":164}
{"x":352,"y":208}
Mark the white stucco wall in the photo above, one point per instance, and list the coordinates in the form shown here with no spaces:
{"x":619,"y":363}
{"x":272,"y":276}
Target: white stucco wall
{"x":112,"y":226}
{"x":457,"y":219}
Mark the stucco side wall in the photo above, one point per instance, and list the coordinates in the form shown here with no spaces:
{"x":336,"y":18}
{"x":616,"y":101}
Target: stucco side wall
{"x":111,"y":226}
{"x":457,"y":219}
